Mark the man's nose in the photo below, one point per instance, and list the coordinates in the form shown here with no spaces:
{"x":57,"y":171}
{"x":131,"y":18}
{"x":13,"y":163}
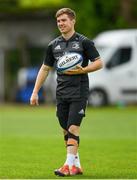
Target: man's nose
{"x":60,"y":23}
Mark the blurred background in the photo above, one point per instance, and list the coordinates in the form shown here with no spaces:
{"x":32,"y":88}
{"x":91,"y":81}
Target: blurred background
{"x":31,"y":143}
{"x":27,"y":26}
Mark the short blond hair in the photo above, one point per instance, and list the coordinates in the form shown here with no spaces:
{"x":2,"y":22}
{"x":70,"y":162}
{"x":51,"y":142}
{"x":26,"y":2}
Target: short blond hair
{"x":71,"y":13}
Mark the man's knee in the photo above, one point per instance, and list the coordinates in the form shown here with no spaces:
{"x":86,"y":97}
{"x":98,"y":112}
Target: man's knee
{"x":74,"y":130}
{"x":73,"y":140}
{"x":73,"y":135}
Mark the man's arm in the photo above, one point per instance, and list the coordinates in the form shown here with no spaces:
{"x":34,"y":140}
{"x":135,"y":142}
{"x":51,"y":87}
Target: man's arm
{"x":94,"y":66}
{"x":41,"y":77}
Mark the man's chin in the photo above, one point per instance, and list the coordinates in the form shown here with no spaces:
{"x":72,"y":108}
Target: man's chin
{"x":63,"y":31}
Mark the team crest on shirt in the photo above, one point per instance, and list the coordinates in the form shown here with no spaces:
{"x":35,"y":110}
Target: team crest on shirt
{"x":75,"y":45}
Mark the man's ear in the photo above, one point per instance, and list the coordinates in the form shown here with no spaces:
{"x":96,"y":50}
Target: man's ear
{"x":74,"y":21}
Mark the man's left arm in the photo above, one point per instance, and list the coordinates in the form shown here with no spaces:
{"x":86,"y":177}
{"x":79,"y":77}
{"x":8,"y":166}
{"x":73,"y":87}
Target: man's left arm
{"x":93,"y":66}
{"x":92,"y":55}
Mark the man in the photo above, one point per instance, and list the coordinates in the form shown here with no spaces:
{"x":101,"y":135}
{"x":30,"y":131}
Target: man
{"x":72,"y":86}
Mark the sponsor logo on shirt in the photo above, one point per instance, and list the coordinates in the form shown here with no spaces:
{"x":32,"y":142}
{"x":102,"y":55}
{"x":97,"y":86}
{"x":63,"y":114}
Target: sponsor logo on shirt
{"x":57,"y":47}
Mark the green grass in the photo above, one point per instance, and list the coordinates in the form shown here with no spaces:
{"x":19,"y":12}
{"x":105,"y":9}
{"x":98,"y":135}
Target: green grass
{"x":31,"y":143}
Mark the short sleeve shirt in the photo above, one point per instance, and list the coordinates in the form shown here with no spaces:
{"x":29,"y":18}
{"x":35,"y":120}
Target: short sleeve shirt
{"x":71,"y":86}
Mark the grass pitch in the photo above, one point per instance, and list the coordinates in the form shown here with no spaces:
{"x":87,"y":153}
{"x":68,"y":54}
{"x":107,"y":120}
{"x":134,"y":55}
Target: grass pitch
{"x":31,"y":143}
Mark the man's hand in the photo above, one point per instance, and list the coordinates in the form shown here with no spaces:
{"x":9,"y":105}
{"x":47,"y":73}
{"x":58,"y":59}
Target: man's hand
{"x":94,"y":66}
{"x":34,"y":99}
{"x":79,"y":70}
{"x":41,"y":77}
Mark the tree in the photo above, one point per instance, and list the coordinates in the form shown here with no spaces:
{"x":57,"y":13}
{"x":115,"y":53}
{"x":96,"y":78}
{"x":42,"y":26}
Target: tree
{"x":94,"y":16}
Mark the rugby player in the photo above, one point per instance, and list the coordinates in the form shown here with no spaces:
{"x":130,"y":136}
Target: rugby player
{"x":72,"y":85}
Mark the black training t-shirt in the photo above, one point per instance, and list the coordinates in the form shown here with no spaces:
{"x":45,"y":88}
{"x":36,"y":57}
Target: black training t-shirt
{"x":71,"y":86}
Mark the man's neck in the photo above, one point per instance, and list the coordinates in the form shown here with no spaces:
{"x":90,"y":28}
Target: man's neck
{"x":68,"y":35}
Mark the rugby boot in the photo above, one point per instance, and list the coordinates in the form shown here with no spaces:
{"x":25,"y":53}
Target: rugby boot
{"x":75,"y":170}
{"x":63,"y":171}
{"x":79,"y":170}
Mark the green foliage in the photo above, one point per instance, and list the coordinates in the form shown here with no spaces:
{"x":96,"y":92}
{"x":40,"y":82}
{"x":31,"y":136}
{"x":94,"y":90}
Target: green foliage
{"x":21,"y":5}
{"x":40,"y":3}
{"x":94,"y":16}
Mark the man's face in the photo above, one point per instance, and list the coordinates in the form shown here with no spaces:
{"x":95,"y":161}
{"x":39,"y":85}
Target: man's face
{"x":65,"y":24}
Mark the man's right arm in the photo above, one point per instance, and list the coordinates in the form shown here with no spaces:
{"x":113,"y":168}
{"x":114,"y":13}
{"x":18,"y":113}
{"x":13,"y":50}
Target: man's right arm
{"x":41,"y":77}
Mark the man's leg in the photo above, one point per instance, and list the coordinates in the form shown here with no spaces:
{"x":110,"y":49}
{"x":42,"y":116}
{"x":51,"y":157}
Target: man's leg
{"x":77,"y":159}
{"x":73,"y":139}
{"x":65,"y":133}
{"x":78,"y":164}
{"x":76,"y":114}
{"x":74,"y":118}
{"x":72,"y":150}
{"x":62,"y":114}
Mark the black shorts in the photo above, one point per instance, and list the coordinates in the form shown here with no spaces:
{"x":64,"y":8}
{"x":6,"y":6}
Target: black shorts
{"x":70,"y":111}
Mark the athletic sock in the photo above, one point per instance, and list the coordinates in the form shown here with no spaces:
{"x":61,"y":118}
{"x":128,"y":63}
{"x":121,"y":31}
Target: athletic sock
{"x":77,"y":161}
{"x":70,"y":159}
